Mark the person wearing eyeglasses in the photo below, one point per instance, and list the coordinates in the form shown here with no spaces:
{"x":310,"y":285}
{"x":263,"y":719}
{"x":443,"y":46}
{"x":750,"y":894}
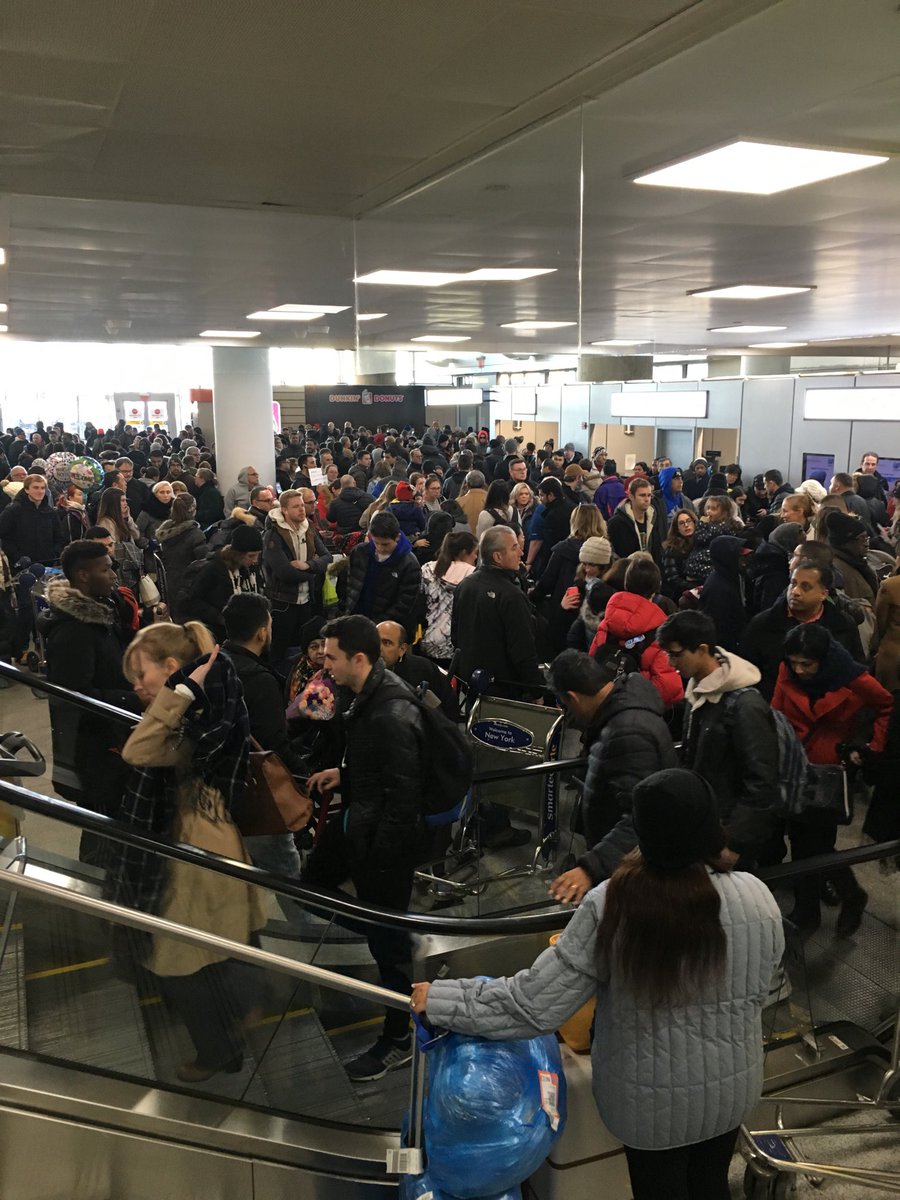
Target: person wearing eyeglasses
{"x":730,"y":737}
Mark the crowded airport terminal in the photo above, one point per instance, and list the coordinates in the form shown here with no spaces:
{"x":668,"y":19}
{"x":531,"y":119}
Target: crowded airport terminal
{"x":450,"y":600}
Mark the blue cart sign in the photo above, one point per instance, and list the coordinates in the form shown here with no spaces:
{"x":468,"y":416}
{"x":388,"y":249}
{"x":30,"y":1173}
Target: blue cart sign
{"x":502,"y":735}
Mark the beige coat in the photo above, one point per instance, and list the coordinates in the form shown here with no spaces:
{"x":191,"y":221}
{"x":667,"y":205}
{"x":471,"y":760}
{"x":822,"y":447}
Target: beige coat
{"x":887,"y":616}
{"x":472,"y":504}
{"x":193,"y":896}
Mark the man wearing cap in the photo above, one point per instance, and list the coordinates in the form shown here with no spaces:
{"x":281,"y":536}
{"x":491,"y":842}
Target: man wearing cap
{"x":626,"y":739}
{"x":226,"y":571}
{"x":295,"y":559}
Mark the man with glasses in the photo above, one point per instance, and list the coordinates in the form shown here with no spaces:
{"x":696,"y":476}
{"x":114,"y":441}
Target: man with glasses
{"x":730,"y":737}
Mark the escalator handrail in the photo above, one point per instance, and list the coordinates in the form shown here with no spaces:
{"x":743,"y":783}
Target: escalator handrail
{"x":124,"y":717}
{"x":334,"y":903}
{"x":117,"y":914}
{"x":341,"y":904}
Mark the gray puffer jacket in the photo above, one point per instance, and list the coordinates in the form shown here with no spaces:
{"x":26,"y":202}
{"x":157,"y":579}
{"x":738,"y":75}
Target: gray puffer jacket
{"x":665,"y":1076}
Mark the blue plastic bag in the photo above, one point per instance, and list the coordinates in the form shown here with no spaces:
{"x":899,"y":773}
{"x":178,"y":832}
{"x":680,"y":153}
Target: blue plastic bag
{"x":422,"y":1187}
{"x":493,"y":1111}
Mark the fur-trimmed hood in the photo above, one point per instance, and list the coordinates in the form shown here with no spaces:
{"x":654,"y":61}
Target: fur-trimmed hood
{"x":243,"y":514}
{"x":67,"y":600}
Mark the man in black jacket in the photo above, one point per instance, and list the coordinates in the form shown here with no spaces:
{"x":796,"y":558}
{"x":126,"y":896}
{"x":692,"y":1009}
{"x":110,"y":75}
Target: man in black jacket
{"x":384,"y":579}
{"x":381,"y":779}
{"x":86,"y":638}
{"x":550,"y":524}
{"x":415,"y":669}
{"x":730,"y":737}
{"x":639,"y":523}
{"x":348,"y":506}
{"x":492,"y":625}
{"x":807,"y":600}
{"x":627,"y":740}
{"x":248,"y":623}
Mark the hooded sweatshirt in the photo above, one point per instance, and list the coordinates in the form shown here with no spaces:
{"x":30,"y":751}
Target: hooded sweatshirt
{"x":673,"y":500}
{"x":722,"y":597}
{"x":296,"y":539}
{"x":240,"y":493}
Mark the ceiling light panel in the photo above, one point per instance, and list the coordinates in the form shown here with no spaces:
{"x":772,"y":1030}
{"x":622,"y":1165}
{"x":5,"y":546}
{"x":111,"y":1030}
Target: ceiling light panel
{"x":370,"y":316}
{"x":312,"y":308}
{"x":2,"y":256}
{"x":230,"y":333}
{"x":285,"y":316}
{"x":775,"y":345}
{"x":436,"y":337}
{"x":537,"y":324}
{"x":411,"y":278}
{"x":758,"y":168}
{"x":4,"y":308}
{"x":746,"y":328}
{"x":508,"y":274}
{"x":618,"y":342}
{"x":4,"y":329}
{"x":747,"y":291}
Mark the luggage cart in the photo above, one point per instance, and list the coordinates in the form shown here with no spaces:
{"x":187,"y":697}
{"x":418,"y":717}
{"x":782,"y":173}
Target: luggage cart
{"x":825,"y":1071}
{"x":505,"y":734}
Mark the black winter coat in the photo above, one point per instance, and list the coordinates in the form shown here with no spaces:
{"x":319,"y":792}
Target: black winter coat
{"x":492,"y":627}
{"x":768,"y":570}
{"x":552,"y":586}
{"x":29,"y":530}
{"x":208,"y":593}
{"x":180,"y":545}
{"x":264,"y":697}
{"x":283,"y":580}
{"x":628,"y":740}
{"x":763,"y":640}
{"x":85,"y":644}
{"x":734,"y":746}
{"x":555,"y":520}
{"x":347,"y":507}
{"x":623,"y":535}
{"x":383,"y":775}
{"x":396,"y":593}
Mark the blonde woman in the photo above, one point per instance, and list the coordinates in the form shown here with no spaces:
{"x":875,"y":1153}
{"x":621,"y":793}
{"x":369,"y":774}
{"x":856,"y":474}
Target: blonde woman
{"x":586,"y":521}
{"x":189,"y":756}
{"x":384,"y":499}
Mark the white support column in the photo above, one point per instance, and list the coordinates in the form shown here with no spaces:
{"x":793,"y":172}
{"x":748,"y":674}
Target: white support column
{"x":242,"y":413}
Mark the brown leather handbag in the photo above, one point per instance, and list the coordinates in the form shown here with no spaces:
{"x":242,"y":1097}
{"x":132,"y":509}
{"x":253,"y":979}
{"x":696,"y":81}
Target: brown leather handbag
{"x":273,"y":802}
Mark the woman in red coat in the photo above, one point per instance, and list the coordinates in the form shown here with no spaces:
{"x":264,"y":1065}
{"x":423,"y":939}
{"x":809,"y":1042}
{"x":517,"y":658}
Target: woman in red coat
{"x":832,"y":702}
{"x":629,"y":625}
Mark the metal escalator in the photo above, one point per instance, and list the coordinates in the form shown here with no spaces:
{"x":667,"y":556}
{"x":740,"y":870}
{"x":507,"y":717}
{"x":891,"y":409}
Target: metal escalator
{"x":90,"y":1049}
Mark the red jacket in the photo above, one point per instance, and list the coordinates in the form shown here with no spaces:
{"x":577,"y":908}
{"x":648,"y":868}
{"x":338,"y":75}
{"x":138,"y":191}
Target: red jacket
{"x":628,"y":616}
{"x":833,"y":718}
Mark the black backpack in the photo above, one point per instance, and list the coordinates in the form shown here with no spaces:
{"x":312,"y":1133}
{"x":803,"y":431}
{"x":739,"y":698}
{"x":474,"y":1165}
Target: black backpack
{"x":451,"y":764}
{"x":624,"y":657}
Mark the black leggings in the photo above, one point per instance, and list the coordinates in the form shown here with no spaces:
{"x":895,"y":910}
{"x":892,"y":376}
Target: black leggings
{"x":697,"y":1172}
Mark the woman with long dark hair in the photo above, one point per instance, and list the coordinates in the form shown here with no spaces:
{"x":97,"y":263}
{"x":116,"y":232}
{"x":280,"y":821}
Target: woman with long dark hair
{"x":114,"y":515}
{"x":677,"y":549}
{"x":440,"y":579}
{"x":498,"y":509}
{"x":679,"y":953}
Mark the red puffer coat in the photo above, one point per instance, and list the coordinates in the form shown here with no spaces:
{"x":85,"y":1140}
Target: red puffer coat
{"x":628,"y":616}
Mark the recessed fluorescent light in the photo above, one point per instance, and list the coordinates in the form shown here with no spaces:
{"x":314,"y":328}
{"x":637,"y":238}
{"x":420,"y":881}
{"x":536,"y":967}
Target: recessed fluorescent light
{"x":747,"y":291}
{"x":4,"y":329}
{"x":411,"y":278}
{"x":775,"y":345}
{"x":285,"y":316}
{"x":536,"y":324}
{"x":370,"y":316}
{"x":2,"y":256}
{"x":619,"y":342}
{"x":311,"y":308}
{"x":230,"y":333}
{"x":440,"y":278}
{"x":508,"y":274}
{"x":745,"y":328}
{"x":759,"y":168}
{"x":435,"y":337}
{"x":4,"y":308}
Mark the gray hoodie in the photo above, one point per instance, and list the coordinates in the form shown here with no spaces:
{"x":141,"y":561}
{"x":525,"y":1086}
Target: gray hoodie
{"x":239,"y":495}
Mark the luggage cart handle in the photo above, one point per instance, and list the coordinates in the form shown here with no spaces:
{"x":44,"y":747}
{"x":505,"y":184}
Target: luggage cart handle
{"x":12,"y":767}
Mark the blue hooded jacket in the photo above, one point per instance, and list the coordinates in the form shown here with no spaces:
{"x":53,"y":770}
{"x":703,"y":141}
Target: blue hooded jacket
{"x":673,"y":501}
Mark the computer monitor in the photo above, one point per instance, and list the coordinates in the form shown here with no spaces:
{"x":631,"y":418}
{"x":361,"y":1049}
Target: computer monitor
{"x":814,"y":465}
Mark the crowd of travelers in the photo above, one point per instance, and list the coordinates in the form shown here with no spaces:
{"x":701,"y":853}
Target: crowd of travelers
{"x":705,"y":634}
